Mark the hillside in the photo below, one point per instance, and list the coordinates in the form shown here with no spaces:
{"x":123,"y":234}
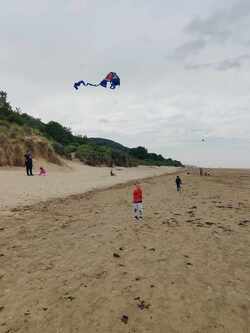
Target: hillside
{"x":15,"y":141}
{"x":20,"y":132}
{"x":108,"y":143}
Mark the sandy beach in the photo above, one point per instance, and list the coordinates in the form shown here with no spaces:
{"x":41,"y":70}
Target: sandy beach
{"x":74,"y":178}
{"x":81,"y":263}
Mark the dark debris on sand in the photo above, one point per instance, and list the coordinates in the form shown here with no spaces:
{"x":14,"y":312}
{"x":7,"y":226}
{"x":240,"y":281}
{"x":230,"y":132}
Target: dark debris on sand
{"x":142,"y":304}
{"x":152,"y":249}
{"x":124,"y":319}
{"x":69,"y":298}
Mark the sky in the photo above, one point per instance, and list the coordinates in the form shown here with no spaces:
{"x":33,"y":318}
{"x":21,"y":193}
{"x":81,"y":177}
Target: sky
{"x":184,"y":69}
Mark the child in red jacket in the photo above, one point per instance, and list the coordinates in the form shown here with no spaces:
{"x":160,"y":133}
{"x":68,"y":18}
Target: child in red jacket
{"x":137,"y":202}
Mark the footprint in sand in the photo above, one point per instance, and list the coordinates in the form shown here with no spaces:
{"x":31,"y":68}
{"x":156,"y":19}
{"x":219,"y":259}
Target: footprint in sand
{"x":69,"y":298}
{"x":190,"y":221}
{"x":189,"y":264}
{"x":225,"y":229}
{"x":244,"y":223}
{"x":209,"y":223}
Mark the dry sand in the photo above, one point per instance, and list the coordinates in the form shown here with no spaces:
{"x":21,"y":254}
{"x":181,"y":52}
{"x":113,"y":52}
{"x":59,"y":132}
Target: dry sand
{"x":185,"y":268}
{"x":17,"y":189}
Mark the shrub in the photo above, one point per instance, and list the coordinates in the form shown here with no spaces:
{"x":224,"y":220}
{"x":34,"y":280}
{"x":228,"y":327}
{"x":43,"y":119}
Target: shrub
{"x":94,"y":155}
{"x":58,"y":148}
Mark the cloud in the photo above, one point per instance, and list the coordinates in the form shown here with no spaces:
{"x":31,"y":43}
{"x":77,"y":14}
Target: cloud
{"x":189,"y":48}
{"x":104,"y":121}
{"x":224,"y":25}
{"x":228,"y":64}
{"x":224,"y":65}
{"x":220,"y":25}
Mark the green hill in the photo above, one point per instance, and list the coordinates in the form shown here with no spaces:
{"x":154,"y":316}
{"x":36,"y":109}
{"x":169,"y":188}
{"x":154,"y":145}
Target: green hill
{"x":108,"y":143}
{"x":20,"y":132}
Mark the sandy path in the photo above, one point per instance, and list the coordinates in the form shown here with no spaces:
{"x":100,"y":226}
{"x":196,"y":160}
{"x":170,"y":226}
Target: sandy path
{"x":17,"y":189}
{"x":185,"y":269}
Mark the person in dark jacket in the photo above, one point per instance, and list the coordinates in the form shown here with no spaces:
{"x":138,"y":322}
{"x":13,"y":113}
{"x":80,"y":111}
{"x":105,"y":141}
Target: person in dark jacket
{"x":26,"y":157}
{"x":178,"y":183}
{"x":28,"y":164}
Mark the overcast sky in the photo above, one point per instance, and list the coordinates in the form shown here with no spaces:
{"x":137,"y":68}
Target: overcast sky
{"x":184,"y":69}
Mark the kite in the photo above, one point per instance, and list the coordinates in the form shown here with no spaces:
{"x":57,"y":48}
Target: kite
{"x":112,"y":77}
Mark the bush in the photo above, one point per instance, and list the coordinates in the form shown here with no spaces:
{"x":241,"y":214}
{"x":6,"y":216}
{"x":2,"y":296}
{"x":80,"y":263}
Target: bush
{"x":58,"y":148}
{"x":59,"y":133}
{"x":3,"y":138}
{"x":94,"y":155}
{"x":70,"y":149}
{"x":18,"y":156}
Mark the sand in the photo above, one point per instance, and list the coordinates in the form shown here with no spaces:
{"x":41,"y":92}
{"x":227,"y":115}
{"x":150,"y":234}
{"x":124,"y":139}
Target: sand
{"x":17,"y":189}
{"x":82,"y":264}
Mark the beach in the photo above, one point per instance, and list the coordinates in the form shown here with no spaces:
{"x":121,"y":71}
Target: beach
{"x":73,"y":178}
{"x":78,"y":262}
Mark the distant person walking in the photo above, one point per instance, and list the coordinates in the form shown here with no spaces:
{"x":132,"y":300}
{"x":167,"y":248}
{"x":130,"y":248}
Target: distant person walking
{"x":137,"y":202}
{"x":28,"y":164}
{"x":178,"y":183}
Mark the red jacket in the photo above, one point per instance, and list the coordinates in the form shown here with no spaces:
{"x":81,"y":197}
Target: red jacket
{"x":137,"y":195}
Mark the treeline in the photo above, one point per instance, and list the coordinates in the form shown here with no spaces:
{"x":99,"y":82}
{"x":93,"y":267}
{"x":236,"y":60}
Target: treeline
{"x":92,"y":151}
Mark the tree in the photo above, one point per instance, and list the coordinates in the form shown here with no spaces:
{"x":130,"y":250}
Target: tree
{"x":3,"y":98}
{"x":59,"y":133}
{"x":139,"y":152}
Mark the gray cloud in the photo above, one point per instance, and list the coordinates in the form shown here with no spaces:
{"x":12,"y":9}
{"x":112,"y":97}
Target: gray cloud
{"x":224,"y":65}
{"x":221,"y":26}
{"x":104,"y":121}
{"x":189,"y":48}
{"x":228,"y":64}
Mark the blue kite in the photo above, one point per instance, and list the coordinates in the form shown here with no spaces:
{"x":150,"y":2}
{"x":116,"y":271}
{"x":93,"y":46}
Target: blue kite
{"x":112,"y":77}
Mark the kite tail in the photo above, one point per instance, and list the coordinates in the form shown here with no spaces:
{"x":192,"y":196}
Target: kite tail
{"x":92,"y":84}
{"x":77,"y":84}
